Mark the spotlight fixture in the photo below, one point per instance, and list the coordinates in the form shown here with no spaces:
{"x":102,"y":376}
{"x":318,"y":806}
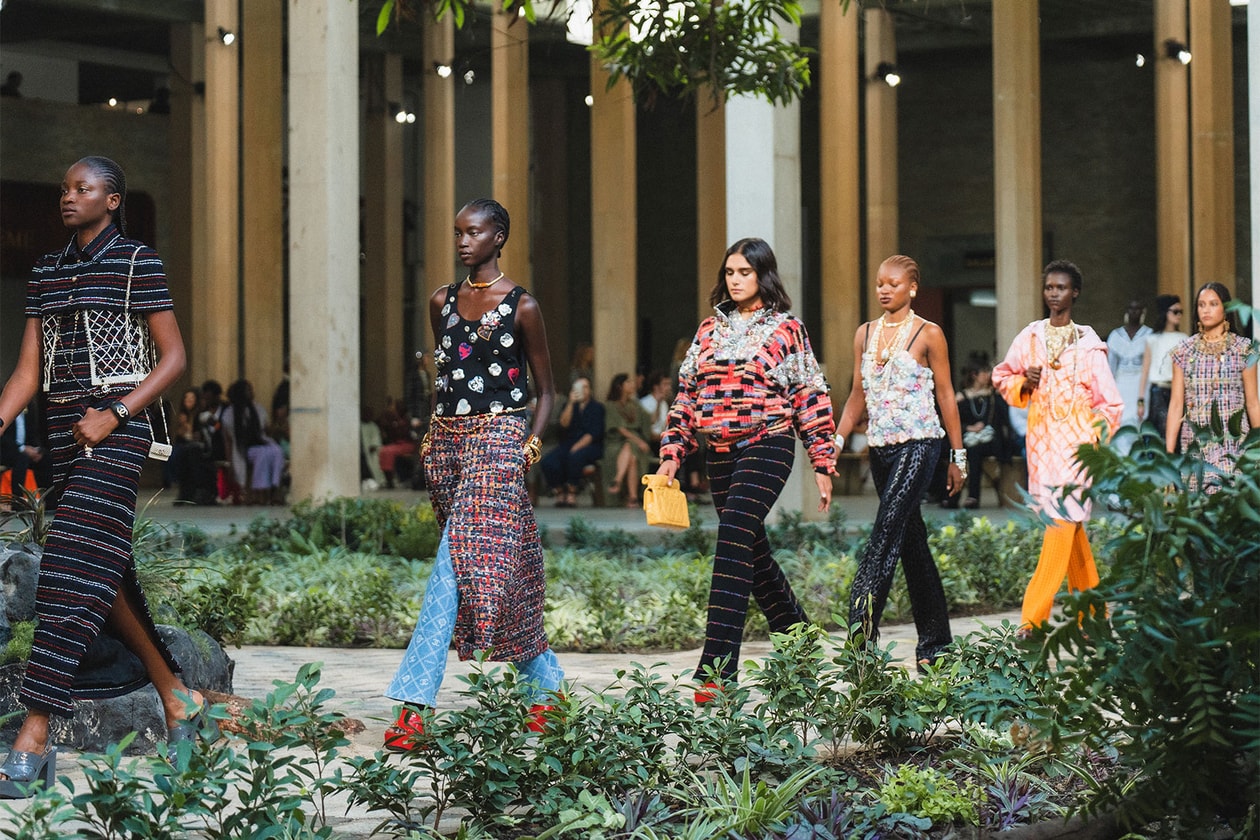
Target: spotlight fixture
{"x":469,"y":77}
{"x":443,"y":70}
{"x":1141,"y":60}
{"x":227,"y":36}
{"x":886,"y":72}
{"x":1175,"y":49}
{"x":590,"y":100}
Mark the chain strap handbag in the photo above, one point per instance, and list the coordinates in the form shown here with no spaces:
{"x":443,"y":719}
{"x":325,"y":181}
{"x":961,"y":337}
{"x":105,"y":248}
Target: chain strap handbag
{"x":664,"y":502}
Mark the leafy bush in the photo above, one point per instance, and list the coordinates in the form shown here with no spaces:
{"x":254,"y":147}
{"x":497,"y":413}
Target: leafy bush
{"x":929,"y":792}
{"x":374,"y":526}
{"x":1162,"y":663}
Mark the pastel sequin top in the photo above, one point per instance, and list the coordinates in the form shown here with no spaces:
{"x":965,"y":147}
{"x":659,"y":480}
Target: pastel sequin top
{"x":900,"y":398}
{"x":480,"y":366}
{"x":745,"y":379}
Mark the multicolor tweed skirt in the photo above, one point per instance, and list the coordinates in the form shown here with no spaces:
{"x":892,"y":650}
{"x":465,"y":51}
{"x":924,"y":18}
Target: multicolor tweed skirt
{"x":475,"y":470}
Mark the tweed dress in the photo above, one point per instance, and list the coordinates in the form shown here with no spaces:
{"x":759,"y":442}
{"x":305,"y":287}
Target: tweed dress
{"x":87,"y":557}
{"x":1214,"y":380}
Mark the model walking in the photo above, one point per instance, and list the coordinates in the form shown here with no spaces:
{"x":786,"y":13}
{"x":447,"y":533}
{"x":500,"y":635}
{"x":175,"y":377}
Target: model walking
{"x":901,"y":379}
{"x":89,"y":310}
{"x":749,"y":380}
{"x":1058,"y":369}
{"x":487,"y":586}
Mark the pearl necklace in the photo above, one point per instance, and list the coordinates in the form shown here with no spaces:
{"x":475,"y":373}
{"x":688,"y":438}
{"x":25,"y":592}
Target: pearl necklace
{"x":470,"y":282}
{"x":898,"y":341}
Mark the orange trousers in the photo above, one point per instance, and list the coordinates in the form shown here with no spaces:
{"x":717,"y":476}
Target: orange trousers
{"x":1064,"y":551}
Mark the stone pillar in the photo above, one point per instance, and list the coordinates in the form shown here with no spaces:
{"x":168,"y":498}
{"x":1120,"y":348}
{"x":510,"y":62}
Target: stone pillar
{"x":262,"y":237}
{"x":324,"y":246}
{"x":614,"y":231}
{"x":1212,"y":142}
{"x":216,"y":296}
{"x":1253,"y":102}
{"x":1017,"y":166}
{"x":184,"y":256}
{"x":382,"y":160}
{"x":840,"y":174}
{"x":710,"y":196}
{"x":439,"y":161}
{"x":1172,"y":154}
{"x":882,"y":240}
{"x":763,"y":198}
{"x":509,"y":116}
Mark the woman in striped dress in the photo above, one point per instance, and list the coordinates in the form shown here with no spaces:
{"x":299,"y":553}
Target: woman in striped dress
{"x":88,"y":309}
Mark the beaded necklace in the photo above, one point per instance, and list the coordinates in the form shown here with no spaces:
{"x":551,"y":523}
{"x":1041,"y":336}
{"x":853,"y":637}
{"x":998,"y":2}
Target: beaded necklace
{"x":1057,"y":340}
{"x":898,"y":342}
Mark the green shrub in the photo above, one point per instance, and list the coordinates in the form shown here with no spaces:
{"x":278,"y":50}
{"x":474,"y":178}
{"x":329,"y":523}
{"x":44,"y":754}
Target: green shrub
{"x":369,"y":525}
{"x":928,"y":792}
{"x":18,"y":648}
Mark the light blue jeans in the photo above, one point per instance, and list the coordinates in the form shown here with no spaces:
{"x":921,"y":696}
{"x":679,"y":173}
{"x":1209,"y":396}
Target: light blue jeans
{"x":424,"y":663}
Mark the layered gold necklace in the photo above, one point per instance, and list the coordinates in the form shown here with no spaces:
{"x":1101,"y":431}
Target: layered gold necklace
{"x":1213,"y":346}
{"x":887,"y":349}
{"x":1057,"y":341}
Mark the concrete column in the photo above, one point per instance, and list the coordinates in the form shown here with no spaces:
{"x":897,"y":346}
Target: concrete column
{"x":614,"y":231}
{"x":509,"y":107}
{"x":1172,"y":153}
{"x":1253,"y":133}
{"x":217,"y":294}
{"x":1212,"y":142}
{"x":262,"y":237}
{"x":1017,"y":166}
{"x":439,"y":161}
{"x":882,"y":238}
{"x":839,"y":171}
{"x":763,"y":198}
{"x":382,"y":374}
{"x":711,"y":240}
{"x":324,"y":246}
{"x":184,"y":256}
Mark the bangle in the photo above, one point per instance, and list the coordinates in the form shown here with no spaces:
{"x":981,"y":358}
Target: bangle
{"x":533,"y":450}
{"x":958,"y":457}
{"x":838,"y":440}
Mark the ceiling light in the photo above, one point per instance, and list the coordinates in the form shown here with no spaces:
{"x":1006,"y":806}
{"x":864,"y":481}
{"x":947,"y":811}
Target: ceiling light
{"x":469,"y":77}
{"x":1141,"y":60}
{"x":886,"y":72}
{"x":227,"y":36}
{"x":443,"y":70}
{"x":1175,"y":49}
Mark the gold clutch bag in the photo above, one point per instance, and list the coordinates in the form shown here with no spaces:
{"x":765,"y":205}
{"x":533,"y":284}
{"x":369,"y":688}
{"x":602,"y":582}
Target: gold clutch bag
{"x":664,"y":503}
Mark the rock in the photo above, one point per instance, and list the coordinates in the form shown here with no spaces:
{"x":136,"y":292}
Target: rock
{"x":19,"y":571}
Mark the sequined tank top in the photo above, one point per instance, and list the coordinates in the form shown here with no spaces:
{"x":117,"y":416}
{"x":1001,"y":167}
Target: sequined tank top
{"x":480,"y":367}
{"x":900,"y":398}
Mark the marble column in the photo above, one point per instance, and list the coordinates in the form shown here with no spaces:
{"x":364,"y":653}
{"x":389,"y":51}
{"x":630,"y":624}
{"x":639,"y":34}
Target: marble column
{"x":1212,"y":142}
{"x":882,"y":238}
{"x":324,"y":246}
{"x":1172,"y":153}
{"x":1017,"y":166}
{"x":710,"y":196}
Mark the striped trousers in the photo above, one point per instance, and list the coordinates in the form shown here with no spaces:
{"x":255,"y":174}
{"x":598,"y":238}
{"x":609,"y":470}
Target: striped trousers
{"x":745,"y":484}
{"x":901,"y":473}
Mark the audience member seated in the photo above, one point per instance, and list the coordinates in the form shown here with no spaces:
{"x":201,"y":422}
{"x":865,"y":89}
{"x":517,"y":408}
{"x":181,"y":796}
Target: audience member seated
{"x":627,"y":429}
{"x":581,"y":443}
{"x":398,"y":452}
{"x":370,"y":442}
{"x":257,"y":460}
{"x":656,"y":402}
{"x":984,"y":417}
{"x":192,"y":467}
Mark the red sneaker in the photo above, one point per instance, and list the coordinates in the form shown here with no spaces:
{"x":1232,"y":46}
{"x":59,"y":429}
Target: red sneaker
{"x":407,"y":732}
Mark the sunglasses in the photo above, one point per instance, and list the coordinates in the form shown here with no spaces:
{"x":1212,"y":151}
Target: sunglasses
{"x":1175,"y":311}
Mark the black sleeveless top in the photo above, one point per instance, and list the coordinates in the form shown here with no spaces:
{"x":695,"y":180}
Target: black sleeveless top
{"x":480,"y":366}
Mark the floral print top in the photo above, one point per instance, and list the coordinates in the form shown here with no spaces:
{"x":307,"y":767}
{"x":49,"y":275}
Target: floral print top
{"x":745,"y":379}
{"x":900,"y":398}
{"x":480,"y":364}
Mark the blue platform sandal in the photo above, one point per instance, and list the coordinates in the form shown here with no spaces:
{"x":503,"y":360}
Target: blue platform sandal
{"x":200,"y":724}
{"x":25,"y":770}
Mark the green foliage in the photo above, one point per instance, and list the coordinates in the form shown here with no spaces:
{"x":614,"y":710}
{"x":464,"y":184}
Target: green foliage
{"x":375,"y":526}
{"x":1162,"y":663}
{"x":581,"y":535}
{"x":929,"y":792}
{"x":984,"y":564}
{"x":26,"y":518}
{"x":18,"y":648}
{"x":791,"y":531}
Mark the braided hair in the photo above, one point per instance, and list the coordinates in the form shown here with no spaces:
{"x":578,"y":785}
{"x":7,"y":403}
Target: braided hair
{"x":115,"y":182}
{"x":496,"y":213}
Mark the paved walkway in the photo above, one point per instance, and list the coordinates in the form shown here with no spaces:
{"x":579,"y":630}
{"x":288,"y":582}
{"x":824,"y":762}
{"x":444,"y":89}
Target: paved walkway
{"x":359,"y":675}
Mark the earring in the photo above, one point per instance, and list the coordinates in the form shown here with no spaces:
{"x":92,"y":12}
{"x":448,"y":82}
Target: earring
{"x":913,"y":293}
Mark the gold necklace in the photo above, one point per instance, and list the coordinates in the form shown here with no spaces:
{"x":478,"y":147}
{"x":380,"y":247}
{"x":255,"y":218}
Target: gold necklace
{"x":470,"y":282}
{"x":1057,"y":340}
{"x":1213,"y":346}
{"x":898,"y":341}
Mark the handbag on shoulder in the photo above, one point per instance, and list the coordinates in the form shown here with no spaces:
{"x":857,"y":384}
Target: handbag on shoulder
{"x":664,"y":502}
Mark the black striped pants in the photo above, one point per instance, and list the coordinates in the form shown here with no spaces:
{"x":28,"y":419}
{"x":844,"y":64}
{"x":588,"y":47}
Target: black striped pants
{"x":745,"y":484}
{"x":901,"y":474}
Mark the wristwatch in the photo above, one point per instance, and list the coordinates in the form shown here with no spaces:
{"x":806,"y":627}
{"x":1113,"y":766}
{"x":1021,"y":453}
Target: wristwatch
{"x":120,"y":411}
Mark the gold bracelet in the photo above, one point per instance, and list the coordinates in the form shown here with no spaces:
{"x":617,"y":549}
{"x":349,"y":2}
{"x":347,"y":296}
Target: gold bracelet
{"x":533,"y":450}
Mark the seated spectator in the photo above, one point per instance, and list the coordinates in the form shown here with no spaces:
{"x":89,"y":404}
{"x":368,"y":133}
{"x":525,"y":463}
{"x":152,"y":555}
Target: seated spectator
{"x":1018,"y":418}
{"x":627,"y":429}
{"x":581,"y":443}
{"x":399,"y":451}
{"x":257,"y":460}
{"x":191,"y":464}
{"x":656,"y":402}
{"x":370,"y":442}
{"x":984,"y":417}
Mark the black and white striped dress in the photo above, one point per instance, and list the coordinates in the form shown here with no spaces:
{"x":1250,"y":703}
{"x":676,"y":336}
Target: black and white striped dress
{"x":87,"y":558}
